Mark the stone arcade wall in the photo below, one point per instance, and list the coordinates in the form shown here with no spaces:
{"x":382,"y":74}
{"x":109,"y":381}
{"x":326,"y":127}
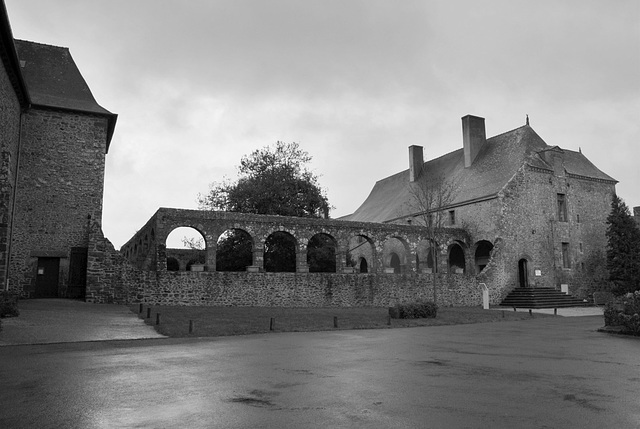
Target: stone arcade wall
{"x":114,"y":278}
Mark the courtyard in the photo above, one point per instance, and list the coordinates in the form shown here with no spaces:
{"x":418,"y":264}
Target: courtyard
{"x":544,"y":372}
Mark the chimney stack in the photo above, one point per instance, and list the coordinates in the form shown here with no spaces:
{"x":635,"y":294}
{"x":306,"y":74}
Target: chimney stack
{"x":416,"y":161}
{"x":473,"y":138}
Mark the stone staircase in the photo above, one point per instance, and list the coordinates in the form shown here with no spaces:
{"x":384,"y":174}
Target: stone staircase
{"x":541,"y":297}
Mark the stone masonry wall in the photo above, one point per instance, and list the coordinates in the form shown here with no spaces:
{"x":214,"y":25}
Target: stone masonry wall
{"x":9,"y":141}
{"x":111,"y":278}
{"x":60,"y":187}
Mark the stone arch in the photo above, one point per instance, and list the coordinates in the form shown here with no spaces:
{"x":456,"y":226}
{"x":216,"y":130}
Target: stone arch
{"x":363,"y":266}
{"x":234,"y":250}
{"x":361,"y":253}
{"x":396,"y":254}
{"x":173,"y":264}
{"x":482,"y":254}
{"x":193,"y":257}
{"x":524,"y":270}
{"x":425,"y":256}
{"x":321,"y":253}
{"x":280,"y":250}
{"x":457,"y":264}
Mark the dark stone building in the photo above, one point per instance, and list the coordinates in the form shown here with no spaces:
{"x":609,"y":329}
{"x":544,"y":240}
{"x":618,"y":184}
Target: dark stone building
{"x":536,"y":212}
{"x":54,"y":138}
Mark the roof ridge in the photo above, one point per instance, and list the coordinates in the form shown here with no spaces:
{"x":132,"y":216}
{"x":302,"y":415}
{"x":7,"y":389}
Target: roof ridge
{"x":41,"y":44}
{"x":510,"y":131}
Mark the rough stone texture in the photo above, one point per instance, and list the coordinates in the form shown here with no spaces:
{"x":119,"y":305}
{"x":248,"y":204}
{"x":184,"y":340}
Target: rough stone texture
{"x":127,"y":277}
{"x":9,"y":142}
{"x":60,"y":187}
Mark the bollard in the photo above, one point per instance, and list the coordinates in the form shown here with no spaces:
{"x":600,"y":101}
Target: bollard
{"x":190,"y":326}
{"x":157,"y":318}
{"x":140,"y":309}
{"x":272,"y":324}
{"x":335,"y":321}
{"x":148,"y":312}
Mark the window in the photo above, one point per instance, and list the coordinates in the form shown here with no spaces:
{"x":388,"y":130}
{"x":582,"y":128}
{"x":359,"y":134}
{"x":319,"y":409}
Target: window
{"x":578,"y":218}
{"x":452,"y":217}
{"x":566,"y":260}
{"x":562,"y":208}
{"x":580,"y":247}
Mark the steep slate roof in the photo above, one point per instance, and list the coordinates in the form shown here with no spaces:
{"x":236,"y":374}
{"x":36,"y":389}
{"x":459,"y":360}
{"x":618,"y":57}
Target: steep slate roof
{"x":53,"y":80}
{"x":498,"y":160}
{"x":10,"y":58}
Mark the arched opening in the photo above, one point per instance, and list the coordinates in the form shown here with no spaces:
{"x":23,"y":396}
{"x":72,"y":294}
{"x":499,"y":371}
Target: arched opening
{"x":395,"y":251}
{"x":394,"y":263}
{"x":280,"y":253}
{"x":321,"y":254}
{"x":234,"y":251}
{"x":188,"y":246}
{"x":456,"y":259}
{"x":483,"y":254}
{"x":523,"y":273}
{"x":359,"y":248}
{"x":173,"y":264}
{"x":363,"y":266}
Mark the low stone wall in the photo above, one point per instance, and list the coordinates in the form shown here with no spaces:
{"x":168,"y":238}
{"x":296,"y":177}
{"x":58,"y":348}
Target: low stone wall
{"x":307,"y":289}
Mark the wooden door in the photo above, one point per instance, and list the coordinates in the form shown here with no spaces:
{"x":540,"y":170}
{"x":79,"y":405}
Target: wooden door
{"x":47,"y":278}
{"x":77,"y":273}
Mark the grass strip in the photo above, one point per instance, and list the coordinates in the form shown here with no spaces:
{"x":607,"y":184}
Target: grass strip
{"x":221,"y":321}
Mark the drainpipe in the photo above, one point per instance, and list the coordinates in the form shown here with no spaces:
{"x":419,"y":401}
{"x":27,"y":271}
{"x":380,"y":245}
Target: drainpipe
{"x":553,"y":252}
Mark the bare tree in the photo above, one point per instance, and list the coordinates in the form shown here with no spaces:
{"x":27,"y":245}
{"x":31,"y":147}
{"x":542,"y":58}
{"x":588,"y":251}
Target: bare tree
{"x":430,"y":195}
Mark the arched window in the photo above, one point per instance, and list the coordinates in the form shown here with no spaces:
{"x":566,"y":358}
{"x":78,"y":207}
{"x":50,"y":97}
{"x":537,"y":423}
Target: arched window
{"x":321,"y":254}
{"x":483,"y":254}
{"x":280,"y":253}
{"x":395,"y":263}
{"x":188,"y":246}
{"x":173,"y":264}
{"x":235,"y":250}
{"x":456,"y":259}
{"x":364,"y":267}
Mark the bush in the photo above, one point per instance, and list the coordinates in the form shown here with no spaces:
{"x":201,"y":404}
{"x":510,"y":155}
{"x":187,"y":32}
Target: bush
{"x":414,"y":310}
{"x":624,"y":312}
{"x":8,"y":305}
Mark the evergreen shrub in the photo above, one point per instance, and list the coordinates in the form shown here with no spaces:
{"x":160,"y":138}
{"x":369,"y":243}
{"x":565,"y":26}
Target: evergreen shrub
{"x":625,"y":312}
{"x":414,"y":310}
{"x":8,"y":304}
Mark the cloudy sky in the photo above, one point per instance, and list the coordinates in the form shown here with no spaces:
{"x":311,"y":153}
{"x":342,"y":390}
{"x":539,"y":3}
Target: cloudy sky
{"x":198,"y":84}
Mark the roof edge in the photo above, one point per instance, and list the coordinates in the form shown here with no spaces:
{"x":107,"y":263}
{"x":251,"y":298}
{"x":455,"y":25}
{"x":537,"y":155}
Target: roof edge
{"x":10,"y":55}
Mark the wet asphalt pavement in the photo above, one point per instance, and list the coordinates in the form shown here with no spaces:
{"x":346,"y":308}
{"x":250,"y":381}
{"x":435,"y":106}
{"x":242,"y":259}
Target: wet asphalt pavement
{"x":542,"y":373}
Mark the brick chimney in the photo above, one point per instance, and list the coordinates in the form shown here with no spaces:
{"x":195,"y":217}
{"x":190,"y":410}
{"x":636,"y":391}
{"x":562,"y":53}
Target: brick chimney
{"x":473,"y":138}
{"x":416,"y":161}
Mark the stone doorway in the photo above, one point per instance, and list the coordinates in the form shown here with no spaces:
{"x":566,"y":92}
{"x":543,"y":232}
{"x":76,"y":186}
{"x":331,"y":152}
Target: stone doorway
{"x":47,"y":278}
{"x":523,"y":273}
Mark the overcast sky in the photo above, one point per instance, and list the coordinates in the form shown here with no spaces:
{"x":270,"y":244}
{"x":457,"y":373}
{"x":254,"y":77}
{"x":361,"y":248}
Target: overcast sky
{"x":198,"y":84}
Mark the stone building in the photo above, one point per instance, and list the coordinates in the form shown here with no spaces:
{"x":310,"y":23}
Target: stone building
{"x":53,"y":140}
{"x":535,"y":213}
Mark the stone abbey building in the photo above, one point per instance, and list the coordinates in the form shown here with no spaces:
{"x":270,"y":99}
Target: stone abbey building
{"x":53,"y":141}
{"x":534,"y":212}
{"x":522,"y":213}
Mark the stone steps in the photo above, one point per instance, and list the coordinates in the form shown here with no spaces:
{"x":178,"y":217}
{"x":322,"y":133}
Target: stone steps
{"x":540,"y":298}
